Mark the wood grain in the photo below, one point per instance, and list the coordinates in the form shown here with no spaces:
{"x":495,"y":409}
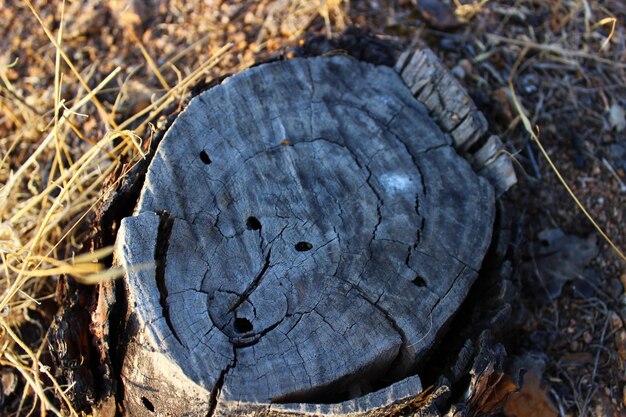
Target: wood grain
{"x":455,"y":113}
{"x":304,"y":235}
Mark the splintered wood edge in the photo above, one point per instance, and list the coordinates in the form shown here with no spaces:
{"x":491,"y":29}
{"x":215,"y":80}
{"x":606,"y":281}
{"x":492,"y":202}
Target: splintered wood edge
{"x":399,"y":398}
{"x":456,"y":115}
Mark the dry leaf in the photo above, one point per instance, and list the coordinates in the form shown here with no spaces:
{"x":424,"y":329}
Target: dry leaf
{"x":560,"y":258}
{"x":490,"y":392}
{"x":531,"y":400}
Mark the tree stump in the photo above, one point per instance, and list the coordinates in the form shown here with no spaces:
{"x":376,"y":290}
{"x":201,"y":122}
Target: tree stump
{"x":304,"y":236}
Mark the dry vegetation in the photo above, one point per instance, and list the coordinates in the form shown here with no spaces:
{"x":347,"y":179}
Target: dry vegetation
{"x":84,"y":86}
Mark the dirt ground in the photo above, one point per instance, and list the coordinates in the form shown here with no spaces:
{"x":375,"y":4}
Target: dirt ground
{"x":566,"y":62}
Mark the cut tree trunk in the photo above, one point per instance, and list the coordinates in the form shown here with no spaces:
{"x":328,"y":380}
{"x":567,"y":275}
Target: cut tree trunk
{"x":303,"y":244}
{"x":304,"y":234}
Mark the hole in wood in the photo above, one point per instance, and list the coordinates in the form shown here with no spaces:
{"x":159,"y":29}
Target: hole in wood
{"x":303,"y":246}
{"x":243,"y":325}
{"x":419,"y":281}
{"x":146,"y":403}
{"x":253,"y":223}
{"x":238,"y":276}
{"x":204,"y":157}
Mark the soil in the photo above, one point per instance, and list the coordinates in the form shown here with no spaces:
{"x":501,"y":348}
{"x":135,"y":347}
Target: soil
{"x":571,"y":334}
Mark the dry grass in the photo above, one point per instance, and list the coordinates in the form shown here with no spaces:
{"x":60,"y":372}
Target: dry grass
{"x":570,"y":56}
{"x":535,"y":136}
{"x":61,"y":143}
{"x":559,"y":67}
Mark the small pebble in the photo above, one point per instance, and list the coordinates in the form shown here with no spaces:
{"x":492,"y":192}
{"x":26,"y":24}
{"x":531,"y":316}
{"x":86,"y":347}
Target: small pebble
{"x":458,"y":72}
{"x":9,"y":381}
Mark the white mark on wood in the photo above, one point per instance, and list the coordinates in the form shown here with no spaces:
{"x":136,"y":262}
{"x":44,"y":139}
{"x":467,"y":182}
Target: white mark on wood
{"x":395,"y":182}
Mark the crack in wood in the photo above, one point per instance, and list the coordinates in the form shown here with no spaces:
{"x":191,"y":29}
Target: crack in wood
{"x":255,"y":283}
{"x":166,"y":223}
{"x":217,"y":389}
{"x":445,"y":295}
{"x":396,"y":364}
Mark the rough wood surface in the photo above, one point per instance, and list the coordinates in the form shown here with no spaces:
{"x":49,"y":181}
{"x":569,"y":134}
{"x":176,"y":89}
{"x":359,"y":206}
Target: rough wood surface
{"x":446,"y":100}
{"x":304,"y":235}
{"x":494,"y":163}
{"x":456,"y":114}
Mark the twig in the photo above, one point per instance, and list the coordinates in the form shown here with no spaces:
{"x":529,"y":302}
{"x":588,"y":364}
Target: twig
{"x":595,"y":370}
{"x":554,"y":49}
{"x":612,"y":171}
{"x":149,"y":60}
{"x":535,"y":137}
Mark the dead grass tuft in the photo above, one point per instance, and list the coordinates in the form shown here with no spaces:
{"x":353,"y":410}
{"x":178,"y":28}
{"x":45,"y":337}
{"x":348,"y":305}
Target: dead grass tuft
{"x":77,"y":102}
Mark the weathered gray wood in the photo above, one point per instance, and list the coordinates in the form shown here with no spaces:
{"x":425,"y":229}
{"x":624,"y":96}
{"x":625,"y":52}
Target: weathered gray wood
{"x":444,"y":97}
{"x":308,"y":233}
{"x":456,"y":114}
{"x":492,"y":162}
{"x":446,"y":100}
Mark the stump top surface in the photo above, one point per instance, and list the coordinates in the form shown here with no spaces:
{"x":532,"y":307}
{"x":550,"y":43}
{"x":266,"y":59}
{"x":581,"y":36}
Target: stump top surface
{"x":313,"y":232}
